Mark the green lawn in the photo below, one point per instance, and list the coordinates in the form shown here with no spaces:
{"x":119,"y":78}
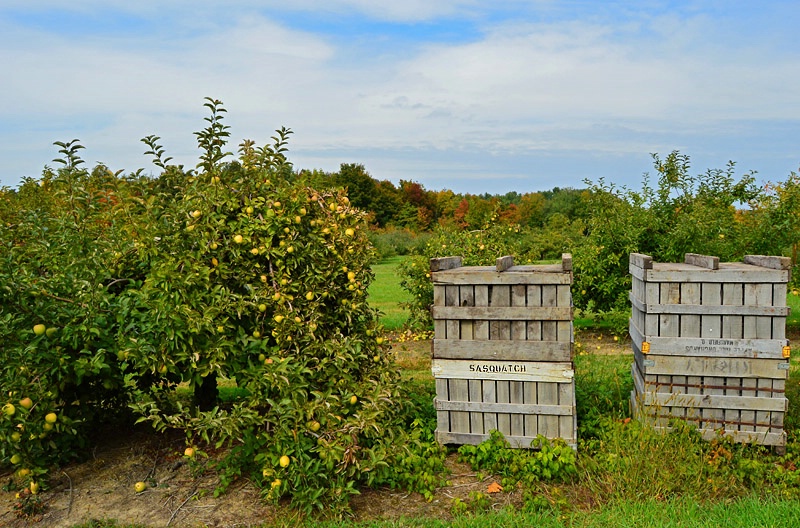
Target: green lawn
{"x":385,"y":293}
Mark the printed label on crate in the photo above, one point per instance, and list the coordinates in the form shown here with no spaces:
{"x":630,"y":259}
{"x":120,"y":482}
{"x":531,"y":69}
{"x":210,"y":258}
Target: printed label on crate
{"x":719,"y":347}
{"x":558,"y":372}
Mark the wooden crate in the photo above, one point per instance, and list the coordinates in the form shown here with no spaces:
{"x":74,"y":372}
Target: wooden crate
{"x":709,"y":343}
{"x":502,"y":351}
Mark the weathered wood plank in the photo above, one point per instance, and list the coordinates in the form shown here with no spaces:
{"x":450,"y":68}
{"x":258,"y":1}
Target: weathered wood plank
{"x":503,"y":263}
{"x":442,"y":416}
{"x":704,"y":309}
{"x":466,"y":296}
{"x":715,"y":366}
{"x":489,"y":397}
{"x":511,"y":350}
{"x":771,"y":262}
{"x":733,"y":298}
{"x":458,"y":391}
{"x":534,"y":300}
{"x":659,"y":274}
{"x":504,"y":313}
{"x":517,"y":398}
{"x":504,"y":397}
{"x":692,"y":346}
{"x":453,"y":326}
{"x":440,"y":326}
{"x":714,"y":402}
{"x":767,"y":439}
{"x":690,"y":322}
{"x":515,"y":275}
{"x":518,"y":328}
{"x":550,"y":302}
{"x":702,"y":261}
{"x":475,"y":396}
{"x":445,"y":263}
{"x":518,"y":409}
{"x":500,"y":298}
{"x":502,"y":370}
{"x":548,"y":395}
{"x":530,"y":397}
{"x":566,"y":398}
{"x":641,"y":261}
{"x":566,"y":262}
{"x":480,"y":327}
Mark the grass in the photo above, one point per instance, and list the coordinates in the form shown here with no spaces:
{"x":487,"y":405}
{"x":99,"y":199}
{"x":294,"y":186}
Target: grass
{"x":385,"y":293}
{"x":747,"y":512}
{"x":793,"y":321}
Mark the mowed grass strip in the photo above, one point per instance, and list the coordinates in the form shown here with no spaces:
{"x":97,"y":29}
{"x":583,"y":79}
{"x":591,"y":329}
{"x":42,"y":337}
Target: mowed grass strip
{"x":386,"y":294}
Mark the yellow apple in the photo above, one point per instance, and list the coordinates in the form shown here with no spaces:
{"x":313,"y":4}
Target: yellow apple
{"x":213,"y":245}
{"x":189,"y":452}
{"x":262,"y":307}
{"x":238,"y":239}
{"x":196,"y":213}
{"x":139,"y":487}
{"x":309,"y":296}
{"x":26,"y":403}
{"x":9,"y":409}
{"x":284,"y":461}
{"x":349,"y":231}
{"x":353,"y":399}
{"x":254,"y":251}
{"x":39,"y":329}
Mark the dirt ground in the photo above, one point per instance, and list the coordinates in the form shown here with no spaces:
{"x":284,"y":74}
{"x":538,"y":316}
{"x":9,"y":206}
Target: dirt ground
{"x":102,"y":487}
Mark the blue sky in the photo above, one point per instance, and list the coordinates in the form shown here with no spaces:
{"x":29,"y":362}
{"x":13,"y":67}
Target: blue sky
{"x":467,"y":95}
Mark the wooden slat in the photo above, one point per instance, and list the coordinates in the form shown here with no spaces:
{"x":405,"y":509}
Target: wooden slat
{"x":502,"y":370}
{"x":704,"y":309}
{"x":754,"y":274}
{"x":500,"y":299}
{"x":517,"y":398}
{"x":507,"y":408}
{"x":458,"y":391}
{"x":715,"y":366}
{"x":692,"y":346}
{"x":488,"y":275}
{"x":442,"y":417}
{"x":445,"y":263}
{"x":566,"y":262}
{"x":453,"y":326}
{"x":714,"y":402}
{"x":767,"y":439}
{"x":641,"y":261}
{"x":503,"y":313}
{"x":702,"y":261}
{"x":510,"y":350}
{"x":480,"y":327}
{"x":504,"y":397}
{"x":475,"y":388}
{"x":489,"y":397}
{"x":503,"y":263}
{"x":777,"y":263}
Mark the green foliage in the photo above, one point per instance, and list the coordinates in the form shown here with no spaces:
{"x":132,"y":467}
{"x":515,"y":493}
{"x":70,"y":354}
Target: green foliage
{"x":547,"y":460}
{"x":235,"y":270}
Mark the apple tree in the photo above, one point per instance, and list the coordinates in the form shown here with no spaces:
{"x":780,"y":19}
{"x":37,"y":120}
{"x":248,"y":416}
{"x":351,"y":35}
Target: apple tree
{"x":258,"y":280}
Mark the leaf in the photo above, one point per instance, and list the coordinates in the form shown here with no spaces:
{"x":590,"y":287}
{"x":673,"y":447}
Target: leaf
{"x":494,"y":487}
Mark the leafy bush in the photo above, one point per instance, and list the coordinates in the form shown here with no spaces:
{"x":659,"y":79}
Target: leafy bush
{"x":119,"y":289}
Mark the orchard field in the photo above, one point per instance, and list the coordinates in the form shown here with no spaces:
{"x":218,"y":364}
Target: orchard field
{"x":205,"y":346}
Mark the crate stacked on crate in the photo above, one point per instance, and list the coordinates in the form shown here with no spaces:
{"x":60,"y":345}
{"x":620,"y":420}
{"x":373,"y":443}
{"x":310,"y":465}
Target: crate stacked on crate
{"x":502,"y":351}
{"x":709,"y":343}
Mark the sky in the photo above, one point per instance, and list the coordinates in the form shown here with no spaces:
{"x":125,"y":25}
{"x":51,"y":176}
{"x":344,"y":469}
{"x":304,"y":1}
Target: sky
{"x":467,"y":95}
